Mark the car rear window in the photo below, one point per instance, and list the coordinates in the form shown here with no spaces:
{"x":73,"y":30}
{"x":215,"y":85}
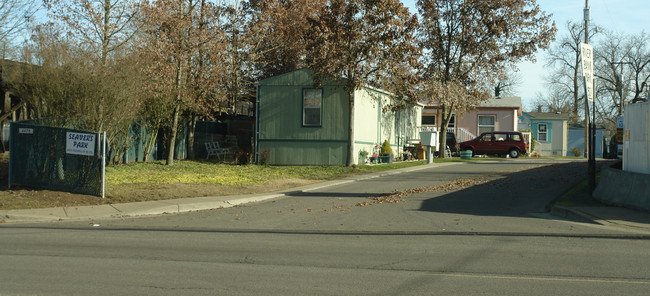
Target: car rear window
{"x":515,"y":137}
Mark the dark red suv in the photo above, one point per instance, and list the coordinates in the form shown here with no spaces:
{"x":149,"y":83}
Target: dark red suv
{"x":501,"y":143}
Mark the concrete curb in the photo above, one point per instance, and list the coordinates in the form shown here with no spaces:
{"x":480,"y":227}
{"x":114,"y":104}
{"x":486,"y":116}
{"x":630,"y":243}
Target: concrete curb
{"x":179,"y":205}
{"x":573,"y":214}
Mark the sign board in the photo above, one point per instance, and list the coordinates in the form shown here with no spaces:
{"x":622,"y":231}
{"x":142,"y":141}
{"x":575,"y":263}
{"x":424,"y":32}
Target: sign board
{"x":619,"y":135}
{"x":587,"y":53}
{"x":80,"y":143}
{"x":26,"y":131}
{"x":619,"y":121}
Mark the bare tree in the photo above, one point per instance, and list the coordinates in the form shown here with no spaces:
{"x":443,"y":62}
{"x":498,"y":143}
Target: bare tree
{"x":14,"y":17}
{"x":59,"y":83}
{"x":280,"y":26}
{"x":101,"y":25}
{"x":609,"y":67}
{"x":622,"y":66}
{"x":102,"y":29}
{"x":468,"y":44}
{"x":508,"y":84}
{"x":182,"y":55}
{"x":639,"y":60}
{"x":553,"y":101}
{"x":564,"y":61}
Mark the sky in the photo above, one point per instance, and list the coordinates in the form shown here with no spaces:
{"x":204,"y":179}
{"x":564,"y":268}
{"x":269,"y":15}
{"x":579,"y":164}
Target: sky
{"x":621,"y":16}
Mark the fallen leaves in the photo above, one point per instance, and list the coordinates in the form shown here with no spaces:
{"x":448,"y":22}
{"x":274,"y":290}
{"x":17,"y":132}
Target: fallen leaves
{"x":394,"y":197}
{"x":398,"y":196}
{"x":462,"y":184}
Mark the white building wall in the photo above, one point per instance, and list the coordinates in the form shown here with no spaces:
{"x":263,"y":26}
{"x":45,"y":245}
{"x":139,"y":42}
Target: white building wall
{"x":372,"y":125}
{"x":366,"y":122}
{"x":636,"y":138}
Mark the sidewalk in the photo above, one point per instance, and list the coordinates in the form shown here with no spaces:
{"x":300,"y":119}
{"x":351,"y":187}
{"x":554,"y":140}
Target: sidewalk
{"x":604,"y":215}
{"x":169,"y":206}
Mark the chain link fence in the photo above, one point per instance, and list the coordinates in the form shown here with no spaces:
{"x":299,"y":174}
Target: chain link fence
{"x":57,"y":158}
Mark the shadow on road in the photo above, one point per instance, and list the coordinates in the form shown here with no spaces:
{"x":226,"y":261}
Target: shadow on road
{"x":515,"y":194}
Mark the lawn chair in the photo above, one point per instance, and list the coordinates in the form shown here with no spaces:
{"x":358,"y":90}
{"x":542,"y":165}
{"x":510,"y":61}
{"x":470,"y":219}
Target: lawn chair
{"x":214,"y":149}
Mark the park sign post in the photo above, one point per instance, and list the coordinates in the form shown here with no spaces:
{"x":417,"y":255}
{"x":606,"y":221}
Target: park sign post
{"x":587,"y":53}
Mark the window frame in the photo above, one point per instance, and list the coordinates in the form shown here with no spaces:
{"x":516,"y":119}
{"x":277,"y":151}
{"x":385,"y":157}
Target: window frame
{"x":479,"y":126}
{"x":428,"y":124}
{"x":452,"y":121}
{"x":545,"y":132}
{"x":304,"y":107}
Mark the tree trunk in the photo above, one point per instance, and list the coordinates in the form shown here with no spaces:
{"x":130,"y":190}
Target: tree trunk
{"x":177,"y":111}
{"x":350,"y":156}
{"x":190,"y":137}
{"x":172,"y":137}
{"x":178,"y":84}
{"x":148,"y":144}
{"x":442,"y":139}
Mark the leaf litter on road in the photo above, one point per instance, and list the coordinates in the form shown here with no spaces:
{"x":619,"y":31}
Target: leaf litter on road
{"x":399,"y":195}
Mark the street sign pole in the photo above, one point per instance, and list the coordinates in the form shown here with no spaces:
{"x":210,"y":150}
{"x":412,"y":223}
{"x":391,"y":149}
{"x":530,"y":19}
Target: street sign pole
{"x":587,"y":53}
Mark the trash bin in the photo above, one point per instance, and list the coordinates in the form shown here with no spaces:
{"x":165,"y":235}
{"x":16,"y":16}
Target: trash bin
{"x":466,"y":154}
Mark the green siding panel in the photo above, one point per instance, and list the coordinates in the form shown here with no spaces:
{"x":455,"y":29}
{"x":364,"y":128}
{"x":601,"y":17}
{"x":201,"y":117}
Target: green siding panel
{"x":280,"y":114}
{"x":280,"y":122}
{"x":304,"y":152}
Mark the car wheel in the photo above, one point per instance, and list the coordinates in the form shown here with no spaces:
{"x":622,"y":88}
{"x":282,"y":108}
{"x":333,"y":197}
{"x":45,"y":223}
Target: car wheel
{"x":514,"y":153}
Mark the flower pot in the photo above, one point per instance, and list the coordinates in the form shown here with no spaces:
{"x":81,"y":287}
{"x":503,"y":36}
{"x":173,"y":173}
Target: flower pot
{"x":362,"y":159}
{"x":387,"y":158}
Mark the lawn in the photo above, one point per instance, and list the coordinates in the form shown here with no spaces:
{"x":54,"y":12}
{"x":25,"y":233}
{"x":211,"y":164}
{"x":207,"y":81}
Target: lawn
{"x":136,"y":182}
{"x":579,"y":196}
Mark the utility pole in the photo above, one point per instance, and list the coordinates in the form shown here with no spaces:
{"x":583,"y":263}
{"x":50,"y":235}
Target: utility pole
{"x":587,"y":17}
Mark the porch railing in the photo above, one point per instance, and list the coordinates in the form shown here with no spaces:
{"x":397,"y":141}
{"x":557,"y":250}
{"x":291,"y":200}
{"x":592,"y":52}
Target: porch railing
{"x":464,"y":135}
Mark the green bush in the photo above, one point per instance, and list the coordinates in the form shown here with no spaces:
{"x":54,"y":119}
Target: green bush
{"x":385,"y":148}
{"x":575,"y":151}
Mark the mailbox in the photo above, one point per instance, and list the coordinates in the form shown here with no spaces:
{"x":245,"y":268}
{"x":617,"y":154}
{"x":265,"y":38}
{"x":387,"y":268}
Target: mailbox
{"x":429,"y":138}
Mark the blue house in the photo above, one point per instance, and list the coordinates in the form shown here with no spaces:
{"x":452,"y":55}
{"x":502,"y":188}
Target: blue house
{"x":550,"y":131}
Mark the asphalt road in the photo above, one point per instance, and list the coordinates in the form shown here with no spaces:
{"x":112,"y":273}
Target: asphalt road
{"x":495,"y":238}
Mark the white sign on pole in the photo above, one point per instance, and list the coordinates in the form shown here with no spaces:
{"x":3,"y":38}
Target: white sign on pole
{"x":587,"y":53}
{"x":80,"y":144}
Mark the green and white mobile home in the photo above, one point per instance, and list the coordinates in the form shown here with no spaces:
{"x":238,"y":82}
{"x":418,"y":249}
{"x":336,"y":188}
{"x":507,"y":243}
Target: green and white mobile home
{"x":299,"y":124}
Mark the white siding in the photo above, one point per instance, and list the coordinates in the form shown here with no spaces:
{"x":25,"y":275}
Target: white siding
{"x":373,"y":126}
{"x":636,"y":138}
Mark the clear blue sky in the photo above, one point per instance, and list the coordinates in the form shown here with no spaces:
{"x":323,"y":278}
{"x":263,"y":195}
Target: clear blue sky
{"x":623,"y":16}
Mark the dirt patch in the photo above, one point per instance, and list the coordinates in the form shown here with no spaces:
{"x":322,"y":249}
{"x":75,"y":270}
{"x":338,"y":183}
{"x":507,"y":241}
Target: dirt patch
{"x":21,"y":197}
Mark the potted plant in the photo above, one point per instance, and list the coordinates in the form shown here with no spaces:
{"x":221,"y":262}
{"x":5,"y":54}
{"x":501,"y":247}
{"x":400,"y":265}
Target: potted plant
{"x":363,"y":156}
{"x":386,"y":152}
